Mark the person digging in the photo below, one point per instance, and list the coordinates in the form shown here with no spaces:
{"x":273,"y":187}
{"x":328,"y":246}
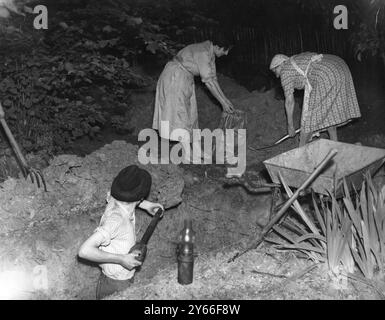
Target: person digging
{"x":329,"y":98}
{"x":175,"y":99}
{"x":110,"y":244}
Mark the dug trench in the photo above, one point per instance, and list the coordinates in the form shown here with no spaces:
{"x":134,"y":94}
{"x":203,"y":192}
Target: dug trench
{"x":45,"y":230}
{"x":42,"y":232}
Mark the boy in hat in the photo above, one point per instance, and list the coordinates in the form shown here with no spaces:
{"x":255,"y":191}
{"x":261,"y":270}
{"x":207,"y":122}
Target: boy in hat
{"x":112,"y":240}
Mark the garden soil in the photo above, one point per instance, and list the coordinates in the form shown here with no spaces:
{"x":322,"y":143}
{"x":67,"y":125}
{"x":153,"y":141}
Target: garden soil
{"x":42,"y":232}
{"x":266,"y":118}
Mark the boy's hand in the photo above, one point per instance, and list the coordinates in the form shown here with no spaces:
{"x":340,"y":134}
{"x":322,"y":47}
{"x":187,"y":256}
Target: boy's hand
{"x":129,"y":262}
{"x":154,"y":208}
{"x":151,"y":207}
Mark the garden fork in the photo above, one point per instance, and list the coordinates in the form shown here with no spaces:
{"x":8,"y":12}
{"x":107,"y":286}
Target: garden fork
{"x":34,"y":174}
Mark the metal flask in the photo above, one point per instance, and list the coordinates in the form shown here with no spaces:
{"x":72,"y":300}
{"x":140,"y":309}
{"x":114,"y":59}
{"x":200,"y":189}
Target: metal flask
{"x":185,"y":253}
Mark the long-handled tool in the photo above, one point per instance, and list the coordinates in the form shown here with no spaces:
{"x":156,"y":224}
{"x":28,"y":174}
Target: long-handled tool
{"x":286,"y":206}
{"x":141,"y":246}
{"x":317,"y":134}
{"x":34,"y":174}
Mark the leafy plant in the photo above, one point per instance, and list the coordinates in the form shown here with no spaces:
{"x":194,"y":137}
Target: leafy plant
{"x":120,"y":124}
{"x":368,"y":219}
{"x":369,"y":37}
{"x":344,"y":233}
{"x":36,"y":95}
{"x":89,"y":45}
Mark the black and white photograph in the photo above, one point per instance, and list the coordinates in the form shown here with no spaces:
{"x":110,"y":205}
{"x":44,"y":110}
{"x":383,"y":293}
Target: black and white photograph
{"x":192,"y":155}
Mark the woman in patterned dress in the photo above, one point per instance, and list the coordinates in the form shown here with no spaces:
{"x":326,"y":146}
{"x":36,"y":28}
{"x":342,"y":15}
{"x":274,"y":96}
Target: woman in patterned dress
{"x":330,"y":98}
{"x":175,"y":99}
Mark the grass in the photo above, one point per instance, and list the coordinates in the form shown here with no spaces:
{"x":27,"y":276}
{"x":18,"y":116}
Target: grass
{"x":8,"y":168}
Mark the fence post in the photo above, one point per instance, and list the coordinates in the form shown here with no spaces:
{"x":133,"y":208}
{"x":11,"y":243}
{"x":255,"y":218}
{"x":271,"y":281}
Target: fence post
{"x":300,"y":37}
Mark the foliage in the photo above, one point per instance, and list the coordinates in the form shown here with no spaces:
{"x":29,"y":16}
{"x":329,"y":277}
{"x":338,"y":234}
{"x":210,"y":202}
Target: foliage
{"x":344,"y":233}
{"x":120,"y":125}
{"x":48,"y":93}
{"x":370,"y":35}
{"x":43,"y":103}
{"x":110,"y":26}
{"x":368,"y":219}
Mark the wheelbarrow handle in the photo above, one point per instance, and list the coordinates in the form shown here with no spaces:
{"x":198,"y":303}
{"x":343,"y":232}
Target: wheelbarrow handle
{"x":304,"y":185}
{"x":11,"y":138}
{"x":287,"y":204}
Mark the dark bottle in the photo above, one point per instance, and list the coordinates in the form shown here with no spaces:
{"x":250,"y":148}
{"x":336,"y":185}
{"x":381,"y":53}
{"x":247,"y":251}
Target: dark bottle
{"x":185,"y":253}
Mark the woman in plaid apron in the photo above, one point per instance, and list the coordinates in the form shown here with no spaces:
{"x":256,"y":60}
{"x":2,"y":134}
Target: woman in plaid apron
{"x":329,"y":99}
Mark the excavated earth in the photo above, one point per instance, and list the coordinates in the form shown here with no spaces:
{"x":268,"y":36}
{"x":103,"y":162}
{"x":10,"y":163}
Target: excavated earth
{"x":45,"y":229}
{"x":41,"y":232}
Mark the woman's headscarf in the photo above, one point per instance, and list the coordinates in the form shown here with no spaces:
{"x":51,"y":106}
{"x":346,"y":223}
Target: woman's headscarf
{"x":278,"y":60}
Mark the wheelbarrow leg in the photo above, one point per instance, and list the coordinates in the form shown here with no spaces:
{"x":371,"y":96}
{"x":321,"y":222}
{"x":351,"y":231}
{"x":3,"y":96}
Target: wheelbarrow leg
{"x":275,"y":196}
{"x":332,"y":131}
{"x":26,"y":170}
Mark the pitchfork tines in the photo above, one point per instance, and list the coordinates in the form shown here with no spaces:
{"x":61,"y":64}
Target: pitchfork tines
{"x":35,"y":175}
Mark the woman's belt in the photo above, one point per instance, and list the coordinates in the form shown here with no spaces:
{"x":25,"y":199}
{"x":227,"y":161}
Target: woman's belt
{"x":178,"y":60}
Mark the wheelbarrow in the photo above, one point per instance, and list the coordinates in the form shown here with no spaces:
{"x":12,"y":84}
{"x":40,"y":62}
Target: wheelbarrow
{"x":322,"y":166}
{"x":350,"y":164}
{"x":35,"y":175}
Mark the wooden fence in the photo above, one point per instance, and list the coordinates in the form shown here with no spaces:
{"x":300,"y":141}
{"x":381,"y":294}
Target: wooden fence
{"x":255,"y":46}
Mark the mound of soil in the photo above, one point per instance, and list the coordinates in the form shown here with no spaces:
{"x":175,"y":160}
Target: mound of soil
{"x":42,"y":232}
{"x":266,"y":118}
{"x":46,"y":229}
{"x":142,"y":104}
